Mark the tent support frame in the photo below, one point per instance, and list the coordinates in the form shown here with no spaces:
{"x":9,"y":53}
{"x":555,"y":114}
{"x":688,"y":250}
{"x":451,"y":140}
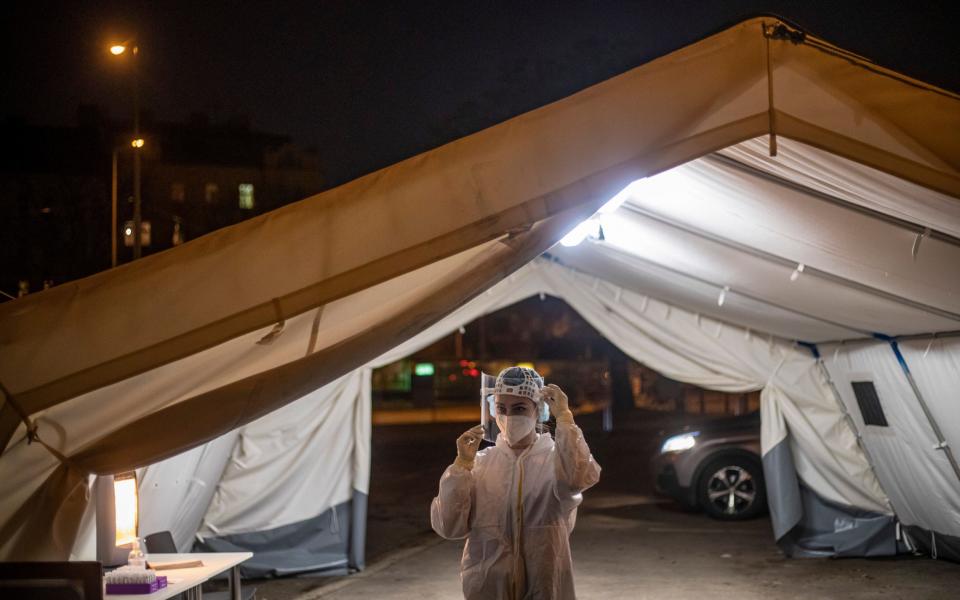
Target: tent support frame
{"x":941,"y":440}
{"x":776,"y":259}
{"x":847,"y":417}
{"x":739,"y":293}
{"x":899,"y":338}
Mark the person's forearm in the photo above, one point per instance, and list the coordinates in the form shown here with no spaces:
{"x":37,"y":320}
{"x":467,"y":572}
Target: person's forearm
{"x":576,"y":467}
{"x":450,"y":510}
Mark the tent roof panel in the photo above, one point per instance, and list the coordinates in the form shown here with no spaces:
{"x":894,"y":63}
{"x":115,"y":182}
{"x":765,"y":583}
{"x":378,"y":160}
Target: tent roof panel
{"x":696,"y":296}
{"x":811,"y":295}
{"x":719,"y":200}
{"x":852,"y":182}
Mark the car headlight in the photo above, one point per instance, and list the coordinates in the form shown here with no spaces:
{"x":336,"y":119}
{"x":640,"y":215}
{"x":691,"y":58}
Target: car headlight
{"x":679,"y":443}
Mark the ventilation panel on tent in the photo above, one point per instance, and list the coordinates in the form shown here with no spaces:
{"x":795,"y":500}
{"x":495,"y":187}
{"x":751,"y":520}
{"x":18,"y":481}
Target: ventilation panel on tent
{"x":869,"y":403}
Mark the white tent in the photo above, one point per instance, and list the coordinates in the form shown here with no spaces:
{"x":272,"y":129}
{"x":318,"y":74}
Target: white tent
{"x":693,"y":276}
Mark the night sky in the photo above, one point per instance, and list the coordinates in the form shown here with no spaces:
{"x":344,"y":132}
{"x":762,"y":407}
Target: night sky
{"x":370,"y":83}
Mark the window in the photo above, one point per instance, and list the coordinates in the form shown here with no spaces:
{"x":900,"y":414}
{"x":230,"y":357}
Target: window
{"x":177,"y":231}
{"x":210,"y":193}
{"x":869,"y":403}
{"x":246,"y":196}
{"x":177,"y":192}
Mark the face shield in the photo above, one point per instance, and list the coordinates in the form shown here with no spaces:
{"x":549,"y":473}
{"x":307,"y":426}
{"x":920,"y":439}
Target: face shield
{"x":517,"y":381}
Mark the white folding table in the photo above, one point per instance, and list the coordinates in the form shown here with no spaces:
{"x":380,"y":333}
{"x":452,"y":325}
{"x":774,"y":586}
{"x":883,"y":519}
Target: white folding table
{"x":188,"y":581}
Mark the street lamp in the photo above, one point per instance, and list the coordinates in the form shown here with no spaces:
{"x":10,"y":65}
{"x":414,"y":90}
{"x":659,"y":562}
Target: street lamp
{"x":137,"y":144}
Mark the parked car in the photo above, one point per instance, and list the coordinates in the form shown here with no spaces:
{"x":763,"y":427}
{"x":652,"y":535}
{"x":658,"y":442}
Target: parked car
{"x":714,"y":466}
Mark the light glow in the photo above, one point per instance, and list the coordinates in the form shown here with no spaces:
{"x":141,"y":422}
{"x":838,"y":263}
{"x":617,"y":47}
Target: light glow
{"x":622,"y":196}
{"x":137,"y":143}
{"x":126,"y":509}
{"x":117,"y":49}
{"x":590,"y":227}
{"x":423,"y":369}
{"x":679,"y":443}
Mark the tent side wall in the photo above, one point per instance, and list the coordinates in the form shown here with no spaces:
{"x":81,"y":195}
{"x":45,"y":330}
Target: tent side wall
{"x":910,"y":461}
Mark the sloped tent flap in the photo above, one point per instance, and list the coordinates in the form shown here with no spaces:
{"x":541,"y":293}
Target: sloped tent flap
{"x":35,"y":479}
{"x":557,"y":163}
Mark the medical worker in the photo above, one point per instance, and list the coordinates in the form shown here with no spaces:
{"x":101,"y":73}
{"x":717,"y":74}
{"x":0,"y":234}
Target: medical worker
{"x":516,"y":502}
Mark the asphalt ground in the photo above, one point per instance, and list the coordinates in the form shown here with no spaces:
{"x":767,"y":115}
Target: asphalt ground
{"x":628,"y":542}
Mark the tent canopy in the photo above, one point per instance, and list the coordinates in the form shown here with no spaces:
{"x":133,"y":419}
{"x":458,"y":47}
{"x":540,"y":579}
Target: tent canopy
{"x":717,"y":222}
{"x":218,"y":332}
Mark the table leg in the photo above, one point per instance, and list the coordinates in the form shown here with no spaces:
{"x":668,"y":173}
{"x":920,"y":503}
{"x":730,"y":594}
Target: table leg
{"x":235,"y":583}
{"x":195,"y":593}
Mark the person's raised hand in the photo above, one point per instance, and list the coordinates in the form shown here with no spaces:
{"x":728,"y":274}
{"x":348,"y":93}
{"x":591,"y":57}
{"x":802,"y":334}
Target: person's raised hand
{"x":558,"y":402}
{"x":467,"y":445}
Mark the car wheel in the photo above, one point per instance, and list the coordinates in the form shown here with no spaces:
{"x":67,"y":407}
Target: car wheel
{"x":731,"y":488}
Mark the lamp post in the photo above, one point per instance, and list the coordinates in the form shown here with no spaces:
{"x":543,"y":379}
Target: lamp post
{"x":137,"y":144}
{"x":113,"y":208}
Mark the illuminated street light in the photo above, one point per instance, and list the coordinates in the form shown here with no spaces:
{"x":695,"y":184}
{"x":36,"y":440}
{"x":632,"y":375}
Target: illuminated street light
{"x":137,"y":142}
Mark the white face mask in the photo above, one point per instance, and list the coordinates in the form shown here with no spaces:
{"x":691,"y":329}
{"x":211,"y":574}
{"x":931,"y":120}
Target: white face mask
{"x":515,"y":427}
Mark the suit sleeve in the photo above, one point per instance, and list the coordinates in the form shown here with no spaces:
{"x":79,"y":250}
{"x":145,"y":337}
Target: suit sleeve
{"x":576,"y":468}
{"x":450,"y":510}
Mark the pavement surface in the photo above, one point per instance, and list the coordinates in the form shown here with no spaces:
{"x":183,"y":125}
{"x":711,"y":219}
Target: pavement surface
{"x":628,"y":543}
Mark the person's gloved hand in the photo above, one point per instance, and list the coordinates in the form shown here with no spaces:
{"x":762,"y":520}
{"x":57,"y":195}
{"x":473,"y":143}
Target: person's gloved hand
{"x":558,"y":403}
{"x":467,"y":445}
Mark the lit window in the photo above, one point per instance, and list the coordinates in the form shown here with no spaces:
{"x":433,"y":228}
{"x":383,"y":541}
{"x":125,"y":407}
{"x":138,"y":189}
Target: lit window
{"x":177,"y":231}
{"x":177,"y":192}
{"x":246,"y":196}
{"x":210,"y":192}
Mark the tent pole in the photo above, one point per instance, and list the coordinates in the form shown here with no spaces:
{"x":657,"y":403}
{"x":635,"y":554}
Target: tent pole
{"x":941,"y":441}
{"x":847,"y":417}
{"x":773,"y":258}
{"x":899,"y":338}
{"x":735,"y":292}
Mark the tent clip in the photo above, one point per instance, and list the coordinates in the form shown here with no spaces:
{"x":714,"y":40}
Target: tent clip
{"x":33,"y":434}
{"x":941,"y":445}
{"x":30,"y":424}
{"x":916,"y":242}
{"x":277,"y":328}
{"x":780,"y":31}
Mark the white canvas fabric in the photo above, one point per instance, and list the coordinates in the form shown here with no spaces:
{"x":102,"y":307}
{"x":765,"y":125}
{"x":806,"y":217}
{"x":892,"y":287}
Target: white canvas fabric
{"x":297,"y":462}
{"x":718,"y":199}
{"x":922,"y":487}
{"x":851,"y":181}
{"x":699,"y":350}
{"x":175,"y":494}
{"x":935,"y":364}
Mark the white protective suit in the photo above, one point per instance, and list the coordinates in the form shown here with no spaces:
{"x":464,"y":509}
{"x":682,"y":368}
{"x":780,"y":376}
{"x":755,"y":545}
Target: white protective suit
{"x":536,"y":494}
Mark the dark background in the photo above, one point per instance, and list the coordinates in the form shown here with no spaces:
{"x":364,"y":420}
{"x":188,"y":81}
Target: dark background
{"x":370,"y":83}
